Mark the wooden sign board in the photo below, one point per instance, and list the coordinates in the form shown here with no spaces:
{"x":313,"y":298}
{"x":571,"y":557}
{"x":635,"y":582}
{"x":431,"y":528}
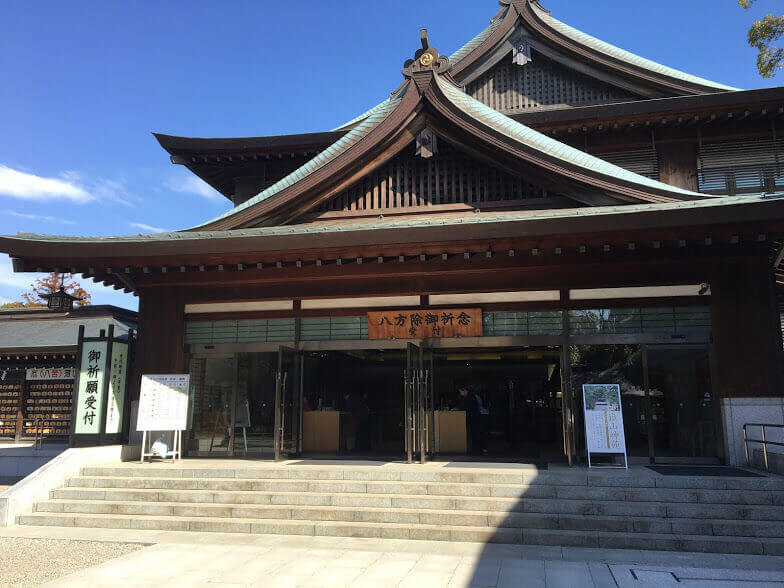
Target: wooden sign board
{"x":425,"y":324}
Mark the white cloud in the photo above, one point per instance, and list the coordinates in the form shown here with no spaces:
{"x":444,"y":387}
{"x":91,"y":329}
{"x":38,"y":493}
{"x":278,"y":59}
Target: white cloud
{"x":40,"y":217}
{"x":9,"y":279}
{"x":70,"y":185}
{"x":113,"y":190}
{"x":148,"y":228}
{"x":26,"y":186}
{"x":189,"y":184}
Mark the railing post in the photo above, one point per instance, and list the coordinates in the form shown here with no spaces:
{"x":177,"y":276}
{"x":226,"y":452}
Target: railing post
{"x":765,"y":449}
{"x":746,"y":446}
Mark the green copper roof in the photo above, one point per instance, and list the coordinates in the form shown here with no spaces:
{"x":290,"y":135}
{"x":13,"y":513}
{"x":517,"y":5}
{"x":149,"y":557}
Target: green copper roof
{"x":377,"y":116}
{"x":413,"y":222}
{"x":618,"y":53}
{"x":536,"y":140}
{"x":364,"y":115}
{"x":479,"y":39}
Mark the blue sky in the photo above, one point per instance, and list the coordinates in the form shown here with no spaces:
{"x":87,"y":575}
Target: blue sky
{"x":84,"y":83}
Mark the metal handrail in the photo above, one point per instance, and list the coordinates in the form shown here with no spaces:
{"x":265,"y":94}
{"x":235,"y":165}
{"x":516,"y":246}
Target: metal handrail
{"x":762,"y":441}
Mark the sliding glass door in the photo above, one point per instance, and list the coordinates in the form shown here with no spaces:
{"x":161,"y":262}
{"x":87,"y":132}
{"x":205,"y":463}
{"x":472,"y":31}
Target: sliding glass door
{"x":669,"y":409}
{"x":685,"y":415}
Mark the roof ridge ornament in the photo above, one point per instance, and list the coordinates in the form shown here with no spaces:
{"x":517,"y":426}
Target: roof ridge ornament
{"x":520,"y":3}
{"x":426,"y":59}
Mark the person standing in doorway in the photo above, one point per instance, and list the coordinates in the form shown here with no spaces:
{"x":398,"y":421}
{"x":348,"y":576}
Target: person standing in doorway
{"x":360,"y":410}
{"x":473,"y":410}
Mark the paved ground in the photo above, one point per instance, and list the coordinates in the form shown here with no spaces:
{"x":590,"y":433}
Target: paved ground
{"x":195,"y":559}
{"x":32,"y":562}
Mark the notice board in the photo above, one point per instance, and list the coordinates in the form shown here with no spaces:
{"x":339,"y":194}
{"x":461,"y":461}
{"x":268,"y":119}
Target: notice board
{"x":163,"y":403}
{"x":604,"y":420}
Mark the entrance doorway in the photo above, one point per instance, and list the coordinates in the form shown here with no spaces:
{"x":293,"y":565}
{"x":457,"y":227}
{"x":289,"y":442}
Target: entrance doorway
{"x":669,"y":410}
{"x":382,"y":404}
{"x":520,"y":396}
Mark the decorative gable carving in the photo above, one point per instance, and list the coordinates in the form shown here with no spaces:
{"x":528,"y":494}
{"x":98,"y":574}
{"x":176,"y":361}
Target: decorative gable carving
{"x":521,"y":51}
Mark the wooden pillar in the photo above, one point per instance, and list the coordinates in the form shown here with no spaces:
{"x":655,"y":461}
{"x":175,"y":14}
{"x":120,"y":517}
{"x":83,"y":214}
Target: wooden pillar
{"x":746,"y":330}
{"x":678,"y":164}
{"x":161,"y":340}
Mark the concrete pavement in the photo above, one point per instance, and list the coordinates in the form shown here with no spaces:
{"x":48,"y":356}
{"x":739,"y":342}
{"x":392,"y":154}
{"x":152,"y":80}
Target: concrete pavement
{"x":195,"y":559}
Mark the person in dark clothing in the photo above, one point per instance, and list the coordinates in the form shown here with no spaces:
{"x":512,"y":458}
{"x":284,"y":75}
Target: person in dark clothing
{"x":473,"y":408}
{"x":359,"y":408}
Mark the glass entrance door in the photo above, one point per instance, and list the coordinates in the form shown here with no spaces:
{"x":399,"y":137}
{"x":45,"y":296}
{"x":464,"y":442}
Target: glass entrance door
{"x":255,"y":404}
{"x":684,"y":414}
{"x":668,"y":404}
{"x":288,"y":404}
{"x":418,"y":404}
{"x":614,"y":364}
{"x":213,"y":388}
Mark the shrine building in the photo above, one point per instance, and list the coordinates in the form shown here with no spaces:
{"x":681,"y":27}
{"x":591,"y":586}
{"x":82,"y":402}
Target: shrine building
{"x":536,"y":211}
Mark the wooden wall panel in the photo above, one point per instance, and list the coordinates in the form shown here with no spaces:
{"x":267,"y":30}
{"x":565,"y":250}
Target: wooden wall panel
{"x":678,"y":164}
{"x":540,"y":84}
{"x":449,"y":177}
{"x":746,"y":331}
{"x":161,"y":334}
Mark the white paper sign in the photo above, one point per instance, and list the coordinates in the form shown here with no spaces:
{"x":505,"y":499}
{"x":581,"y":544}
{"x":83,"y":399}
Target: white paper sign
{"x":603,"y":419}
{"x":163,"y":403}
{"x":38,"y":374}
{"x":118,"y":372}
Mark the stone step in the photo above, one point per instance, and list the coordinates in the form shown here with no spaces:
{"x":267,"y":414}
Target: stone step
{"x":524,"y":476}
{"x":395,"y":500}
{"x":456,"y":518}
{"x":650,"y":541}
{"x":611,"y":493}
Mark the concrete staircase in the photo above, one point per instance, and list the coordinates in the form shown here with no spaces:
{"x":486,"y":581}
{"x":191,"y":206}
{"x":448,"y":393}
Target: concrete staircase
{"x":634,"y":510}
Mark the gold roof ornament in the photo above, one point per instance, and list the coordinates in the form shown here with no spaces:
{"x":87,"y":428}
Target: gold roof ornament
{"x":426,"y":58}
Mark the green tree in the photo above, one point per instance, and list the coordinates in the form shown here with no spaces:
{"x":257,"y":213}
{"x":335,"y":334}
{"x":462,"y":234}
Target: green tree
{"x":14,"y":305}
{"x":762,"y":34}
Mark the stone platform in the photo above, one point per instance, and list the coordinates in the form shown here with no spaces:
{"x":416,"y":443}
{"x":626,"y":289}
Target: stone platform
{"x":443,"y":501}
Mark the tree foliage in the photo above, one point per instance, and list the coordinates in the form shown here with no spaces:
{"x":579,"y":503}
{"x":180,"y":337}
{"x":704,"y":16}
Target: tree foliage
{"x":13,"y":305}
{"x":762,"y":34}
{"x":50,"y":284}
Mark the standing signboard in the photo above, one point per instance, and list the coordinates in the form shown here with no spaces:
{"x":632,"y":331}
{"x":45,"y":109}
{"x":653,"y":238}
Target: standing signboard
{"x":163,"y":406}
{"x":604,"y":422}
{"x":99,"y":402}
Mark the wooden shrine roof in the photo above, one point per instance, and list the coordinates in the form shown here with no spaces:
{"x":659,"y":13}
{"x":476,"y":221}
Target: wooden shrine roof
{"x":705,"y":107}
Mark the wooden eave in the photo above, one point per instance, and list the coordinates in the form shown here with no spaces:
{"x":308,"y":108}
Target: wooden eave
{"x":273,"y":145}
{"x":118,"y":261}
{"x":218,"y":161}
{"x":681,"y":109}
{"x":627,"y":75}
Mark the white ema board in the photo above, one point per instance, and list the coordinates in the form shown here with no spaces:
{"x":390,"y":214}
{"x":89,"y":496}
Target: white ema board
{"x":604,"y":420}
{"x":163,"y":403}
